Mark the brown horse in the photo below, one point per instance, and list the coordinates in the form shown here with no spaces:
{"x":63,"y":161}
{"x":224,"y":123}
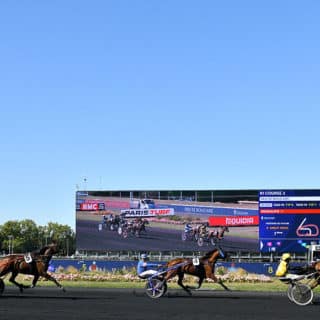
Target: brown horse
{"x":204,"y":268}
{"x":16,"y":263}
{"x":221,"y":231}
{"x":315,"y":267}
{"x":139,"y":225}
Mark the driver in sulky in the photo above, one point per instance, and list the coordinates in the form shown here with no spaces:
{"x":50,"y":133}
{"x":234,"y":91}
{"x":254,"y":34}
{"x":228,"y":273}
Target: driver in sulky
{"x":145,"y":269}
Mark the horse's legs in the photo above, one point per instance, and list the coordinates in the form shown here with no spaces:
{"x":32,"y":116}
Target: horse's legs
{"x":48,"y":277}
{"x":200,"y":282}
{"x":210,"y":274}
{"x":223,"y":285}
{"x":34,"y":281}
{"x":215,"y":279}
{"x":180,"y":283}
{"x":172,"y":274}
{"x":12,"y":280}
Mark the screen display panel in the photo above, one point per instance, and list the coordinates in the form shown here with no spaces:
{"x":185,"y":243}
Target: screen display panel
{"x":167,"y":220}
{"x":289,"y":220}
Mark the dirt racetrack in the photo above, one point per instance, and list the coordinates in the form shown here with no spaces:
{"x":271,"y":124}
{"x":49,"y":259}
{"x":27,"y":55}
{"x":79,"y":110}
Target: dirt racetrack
{"x":83,"y":303}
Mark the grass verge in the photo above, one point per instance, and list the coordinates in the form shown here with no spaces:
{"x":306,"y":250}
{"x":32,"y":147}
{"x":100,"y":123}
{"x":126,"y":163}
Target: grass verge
{"x":275,"y":285}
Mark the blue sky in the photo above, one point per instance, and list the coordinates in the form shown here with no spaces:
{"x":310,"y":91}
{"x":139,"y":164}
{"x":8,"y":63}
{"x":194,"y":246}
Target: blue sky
{"x":154,"y":95}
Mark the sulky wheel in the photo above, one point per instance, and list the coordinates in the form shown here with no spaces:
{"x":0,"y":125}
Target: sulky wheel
{"x":200,"y":242}
{"x":155,"y":288}
{"x":301,"y":294}
{"x":214,"y":241}
{"x":289,"y":291}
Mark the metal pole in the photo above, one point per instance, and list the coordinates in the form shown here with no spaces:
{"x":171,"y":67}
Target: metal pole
{"x":67,"y":246}
{"x":10,"y":244}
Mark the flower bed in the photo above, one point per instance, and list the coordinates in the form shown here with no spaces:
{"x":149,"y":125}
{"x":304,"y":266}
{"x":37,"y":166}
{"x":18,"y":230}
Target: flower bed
{"x":130,"y":275}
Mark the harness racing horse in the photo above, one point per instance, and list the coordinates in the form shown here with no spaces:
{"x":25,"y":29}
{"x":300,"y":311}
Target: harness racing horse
{"x":16,"y":263}
{"x":315,"y":267}
{"x":139,"y":225}
{"x":204,"y":268}
{"x":221,"y":231}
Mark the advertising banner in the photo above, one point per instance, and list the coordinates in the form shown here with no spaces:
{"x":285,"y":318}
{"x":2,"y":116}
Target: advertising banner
{"x":237,"y":221}
{"x":91,"y":206}
{"x":132,"y":213}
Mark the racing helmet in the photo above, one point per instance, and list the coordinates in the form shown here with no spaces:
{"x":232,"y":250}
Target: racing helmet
{"x":144,"y":256}
{"x":286,"y":256}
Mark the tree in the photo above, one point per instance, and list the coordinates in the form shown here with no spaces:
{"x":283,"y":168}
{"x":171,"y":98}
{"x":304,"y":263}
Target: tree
{"x":19,"y":236}
{"x":65,"y":237}
{"x":25,"y":236}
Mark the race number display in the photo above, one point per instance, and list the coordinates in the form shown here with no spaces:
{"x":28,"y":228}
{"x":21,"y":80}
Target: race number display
{"x":289,"y":219}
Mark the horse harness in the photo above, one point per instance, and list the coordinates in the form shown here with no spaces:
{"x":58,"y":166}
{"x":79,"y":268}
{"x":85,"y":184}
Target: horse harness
{"x":32,"y":261}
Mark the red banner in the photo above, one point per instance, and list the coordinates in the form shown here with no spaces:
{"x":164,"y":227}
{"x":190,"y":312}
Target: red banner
{"x":89,"y":206}
{"x":290,"y":211}
{"x":234,"y":221}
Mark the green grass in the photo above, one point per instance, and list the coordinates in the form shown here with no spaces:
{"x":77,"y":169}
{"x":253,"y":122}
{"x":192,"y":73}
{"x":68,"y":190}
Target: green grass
{"x":275,"y":285}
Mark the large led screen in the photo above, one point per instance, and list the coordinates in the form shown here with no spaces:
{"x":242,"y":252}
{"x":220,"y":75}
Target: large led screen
{"x":167,"y":220}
